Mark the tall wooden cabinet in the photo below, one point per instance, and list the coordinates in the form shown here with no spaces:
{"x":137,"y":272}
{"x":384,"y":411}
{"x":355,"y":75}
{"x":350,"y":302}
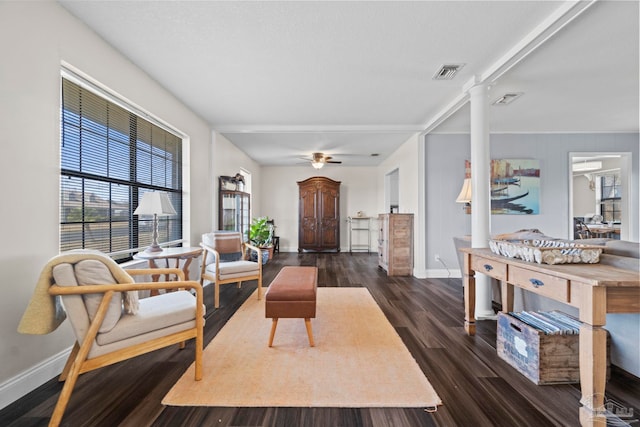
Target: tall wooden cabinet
{"x":234,"y":211}
{"x":395,"y":244}
{"x":319,"y":215}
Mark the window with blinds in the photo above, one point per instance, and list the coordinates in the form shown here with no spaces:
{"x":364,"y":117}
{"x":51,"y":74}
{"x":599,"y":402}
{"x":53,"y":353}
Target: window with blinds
{"x":109,"y":158}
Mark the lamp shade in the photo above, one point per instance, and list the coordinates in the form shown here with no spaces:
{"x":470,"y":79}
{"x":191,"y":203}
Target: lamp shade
{"x":317,"y":165}
{"x":155,"y":203}
{"x":465,"y":193}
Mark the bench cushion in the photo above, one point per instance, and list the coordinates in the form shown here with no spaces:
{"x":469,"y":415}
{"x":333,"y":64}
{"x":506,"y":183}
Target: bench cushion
{"x":294,"y":284}
{"x":292,"y":294}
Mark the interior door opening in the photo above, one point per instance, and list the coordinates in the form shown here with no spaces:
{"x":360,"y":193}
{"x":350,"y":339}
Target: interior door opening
{"x":392,"y":191}
{"x":599,"y":184}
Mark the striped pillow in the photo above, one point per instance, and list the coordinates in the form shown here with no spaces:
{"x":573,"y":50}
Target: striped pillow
{"x":227,"y":243}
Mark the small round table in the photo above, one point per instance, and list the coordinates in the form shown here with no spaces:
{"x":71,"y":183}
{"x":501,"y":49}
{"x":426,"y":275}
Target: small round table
{"x":187,"y":254}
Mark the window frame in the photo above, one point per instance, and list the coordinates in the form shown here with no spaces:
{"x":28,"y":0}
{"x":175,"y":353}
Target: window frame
{"x":138,"y":229}
{"x":610,"y":208}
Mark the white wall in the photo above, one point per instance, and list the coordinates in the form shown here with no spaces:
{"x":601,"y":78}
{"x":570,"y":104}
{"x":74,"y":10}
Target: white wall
{"x":584,"y":198}
{"x":445,"y":156}
{"x":227,"y":160}
{"x":35,"y":38}
{"x":406,"y":160}
{"x":358,"y":192}
{"x":409,"y":163}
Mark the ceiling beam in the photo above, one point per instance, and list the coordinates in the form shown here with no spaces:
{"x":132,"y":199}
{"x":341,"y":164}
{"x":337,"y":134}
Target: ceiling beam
{"x":555,"y":22}
{"x":316,"y":128}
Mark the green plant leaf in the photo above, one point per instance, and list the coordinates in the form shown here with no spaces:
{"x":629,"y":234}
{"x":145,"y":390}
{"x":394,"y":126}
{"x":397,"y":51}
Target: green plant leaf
{"x":261,"y":232}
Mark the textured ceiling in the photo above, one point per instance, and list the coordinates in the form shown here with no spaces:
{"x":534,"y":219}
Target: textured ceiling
{"x":354,"y":78}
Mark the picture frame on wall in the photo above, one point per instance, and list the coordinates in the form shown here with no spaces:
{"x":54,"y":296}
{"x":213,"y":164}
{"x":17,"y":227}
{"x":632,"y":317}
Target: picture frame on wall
{"x":515,"y":186}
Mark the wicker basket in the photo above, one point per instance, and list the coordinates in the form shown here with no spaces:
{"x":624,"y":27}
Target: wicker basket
{"x":547,"y":251}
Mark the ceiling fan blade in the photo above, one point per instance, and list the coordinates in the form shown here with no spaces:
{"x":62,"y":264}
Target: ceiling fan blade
{"x":320,"y":158}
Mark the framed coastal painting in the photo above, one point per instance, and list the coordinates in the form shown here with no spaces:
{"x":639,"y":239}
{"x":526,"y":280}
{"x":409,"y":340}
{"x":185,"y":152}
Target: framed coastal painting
{"x":515,"y":186}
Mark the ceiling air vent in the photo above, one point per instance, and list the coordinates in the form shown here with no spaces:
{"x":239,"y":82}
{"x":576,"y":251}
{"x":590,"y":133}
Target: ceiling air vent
{"x":447,"y":72}
{"x":507,"y":98}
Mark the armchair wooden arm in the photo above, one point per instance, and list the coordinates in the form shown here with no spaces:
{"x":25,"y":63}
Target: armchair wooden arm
{"x":156,"y":271}
{"x":124,"y":287}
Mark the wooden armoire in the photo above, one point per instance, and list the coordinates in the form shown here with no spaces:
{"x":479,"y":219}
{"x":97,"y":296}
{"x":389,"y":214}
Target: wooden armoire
{"x":319,"y":215}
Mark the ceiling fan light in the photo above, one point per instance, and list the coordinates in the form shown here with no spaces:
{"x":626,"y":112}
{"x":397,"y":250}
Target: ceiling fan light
{"x":317,"y":165}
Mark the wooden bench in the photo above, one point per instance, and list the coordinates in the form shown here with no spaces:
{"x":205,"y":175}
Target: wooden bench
{"x":292,"y":294}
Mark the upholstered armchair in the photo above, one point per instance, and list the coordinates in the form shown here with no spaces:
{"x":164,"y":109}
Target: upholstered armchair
{"x":225,"y":260}
{"x":109,"y":322}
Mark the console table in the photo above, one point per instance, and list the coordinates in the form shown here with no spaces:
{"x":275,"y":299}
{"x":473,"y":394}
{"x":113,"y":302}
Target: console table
{"x":594,"y":289}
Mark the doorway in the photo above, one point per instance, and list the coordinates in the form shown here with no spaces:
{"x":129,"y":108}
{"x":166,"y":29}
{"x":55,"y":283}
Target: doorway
{"x":392,"y":191}
{"x":599,"y":185}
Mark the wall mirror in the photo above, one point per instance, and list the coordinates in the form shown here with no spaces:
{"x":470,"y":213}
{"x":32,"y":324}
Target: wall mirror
{"x":599,"y":186}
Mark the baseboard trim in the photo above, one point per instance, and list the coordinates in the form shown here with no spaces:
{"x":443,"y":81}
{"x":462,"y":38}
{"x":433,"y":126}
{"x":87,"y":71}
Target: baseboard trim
{"x":442,"y":273}
{"x":32,"y":378}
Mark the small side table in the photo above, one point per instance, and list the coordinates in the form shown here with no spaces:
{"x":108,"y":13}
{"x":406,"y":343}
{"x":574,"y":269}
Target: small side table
{"x":187,"y":254}
{"x":358,"y":225}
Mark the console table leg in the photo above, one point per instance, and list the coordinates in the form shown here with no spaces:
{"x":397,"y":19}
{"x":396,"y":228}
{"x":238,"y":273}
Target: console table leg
{"x":507,"y":296}
{"x":589,"y":418}
{"x":593,"y":374}
{"x":469,"y":297}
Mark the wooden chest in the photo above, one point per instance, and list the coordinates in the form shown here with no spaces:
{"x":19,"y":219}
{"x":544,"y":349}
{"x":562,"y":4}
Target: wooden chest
{"x":542,"y":358}
{"x":395,"y":244}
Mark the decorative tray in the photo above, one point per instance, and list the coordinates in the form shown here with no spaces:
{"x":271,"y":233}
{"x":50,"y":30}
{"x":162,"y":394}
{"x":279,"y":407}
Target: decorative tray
{"x":547,"y":251}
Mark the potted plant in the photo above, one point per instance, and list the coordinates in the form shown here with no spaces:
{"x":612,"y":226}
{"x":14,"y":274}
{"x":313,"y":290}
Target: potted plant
{"x":261,"y":235}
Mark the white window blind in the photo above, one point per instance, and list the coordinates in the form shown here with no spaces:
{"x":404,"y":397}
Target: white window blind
{"x":110,"y":157}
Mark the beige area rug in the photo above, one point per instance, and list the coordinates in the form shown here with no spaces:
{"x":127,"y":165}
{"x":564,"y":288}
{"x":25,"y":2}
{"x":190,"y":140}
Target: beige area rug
{"x":359,"y":360}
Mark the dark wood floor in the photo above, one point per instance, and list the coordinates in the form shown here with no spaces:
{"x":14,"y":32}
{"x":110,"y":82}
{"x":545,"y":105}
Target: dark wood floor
{"x":476,"y":387}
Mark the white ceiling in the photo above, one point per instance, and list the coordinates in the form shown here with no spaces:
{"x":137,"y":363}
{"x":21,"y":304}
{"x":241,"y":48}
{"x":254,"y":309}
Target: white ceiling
{"x":283,"y":79}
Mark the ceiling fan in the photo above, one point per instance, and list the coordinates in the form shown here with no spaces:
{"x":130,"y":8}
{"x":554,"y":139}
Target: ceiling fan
{"x":318,"y":160}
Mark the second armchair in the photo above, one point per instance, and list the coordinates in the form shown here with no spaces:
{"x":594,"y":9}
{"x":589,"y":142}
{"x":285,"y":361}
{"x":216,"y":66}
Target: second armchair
{"x":224,"y":260}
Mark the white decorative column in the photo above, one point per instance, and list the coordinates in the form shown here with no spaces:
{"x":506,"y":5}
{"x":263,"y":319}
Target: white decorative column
{"x":480,"y":196}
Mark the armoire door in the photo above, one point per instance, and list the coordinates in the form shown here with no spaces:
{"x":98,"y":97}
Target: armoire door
{"x":308,"y":235}
{"x":319,"y":215}
{"x":329,"y":213}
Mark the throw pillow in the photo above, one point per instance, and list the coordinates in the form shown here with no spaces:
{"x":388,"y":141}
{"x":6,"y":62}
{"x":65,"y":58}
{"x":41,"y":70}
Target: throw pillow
{"x":94,"y":272}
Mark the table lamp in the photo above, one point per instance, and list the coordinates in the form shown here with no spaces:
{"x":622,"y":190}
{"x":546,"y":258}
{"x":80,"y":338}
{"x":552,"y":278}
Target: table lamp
{"x":155,"y":203}
{"x":465,"y":195}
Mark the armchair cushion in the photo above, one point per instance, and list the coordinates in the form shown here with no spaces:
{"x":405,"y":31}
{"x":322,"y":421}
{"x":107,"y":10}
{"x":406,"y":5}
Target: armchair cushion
{"x":234,"y":269}
{"x":155,"y":313}
{"x":94,"y":272}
